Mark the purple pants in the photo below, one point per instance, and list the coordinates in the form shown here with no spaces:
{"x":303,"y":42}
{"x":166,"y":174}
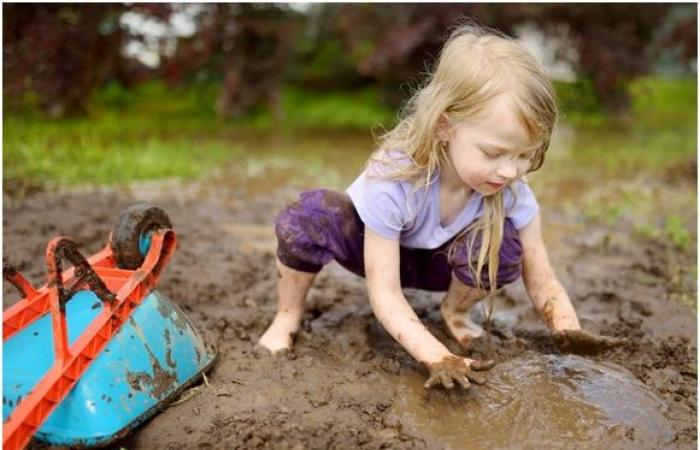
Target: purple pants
{"x":323,"y":225}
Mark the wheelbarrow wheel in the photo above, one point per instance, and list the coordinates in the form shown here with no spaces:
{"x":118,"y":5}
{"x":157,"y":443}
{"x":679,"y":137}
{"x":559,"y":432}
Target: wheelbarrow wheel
{"x":132,"y":229}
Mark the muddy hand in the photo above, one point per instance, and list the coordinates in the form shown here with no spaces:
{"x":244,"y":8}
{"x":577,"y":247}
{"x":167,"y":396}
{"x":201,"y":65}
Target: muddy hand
{"x":453,"y":369}
{"x":583,"y":342}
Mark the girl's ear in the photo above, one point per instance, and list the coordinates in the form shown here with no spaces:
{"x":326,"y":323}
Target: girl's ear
{"x":444,"y":127}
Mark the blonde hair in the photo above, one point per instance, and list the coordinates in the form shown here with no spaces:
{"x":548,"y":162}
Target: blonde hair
{"x":475,"y":66}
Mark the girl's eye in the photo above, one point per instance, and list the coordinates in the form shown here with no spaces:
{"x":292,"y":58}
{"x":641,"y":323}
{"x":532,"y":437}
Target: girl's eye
{"x":490,"y":155}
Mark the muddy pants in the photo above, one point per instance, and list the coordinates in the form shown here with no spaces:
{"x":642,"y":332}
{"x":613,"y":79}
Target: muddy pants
{"x":323,"y":225}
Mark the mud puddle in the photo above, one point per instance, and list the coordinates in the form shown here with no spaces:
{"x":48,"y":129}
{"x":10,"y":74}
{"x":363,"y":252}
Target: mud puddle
{"x":537,"y":401}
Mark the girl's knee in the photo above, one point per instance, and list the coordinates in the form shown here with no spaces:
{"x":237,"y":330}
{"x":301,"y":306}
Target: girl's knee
{"x":510,"y":259}
{"x":511,"y":253}
{"x":306,"y":229}
{"x":315,"y":211}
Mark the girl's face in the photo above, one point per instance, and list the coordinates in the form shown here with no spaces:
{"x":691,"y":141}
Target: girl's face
{"x":490,"y":152}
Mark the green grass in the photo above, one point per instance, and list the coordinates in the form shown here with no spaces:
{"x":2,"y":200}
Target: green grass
{"x":154,"y":131}
{"x":673,"y":231}
{"x":664,"y":103}
{"x":194,"y":106}
{"x":111,"y":149}
{"x":349,"y":111}
{"x":659,"y":131}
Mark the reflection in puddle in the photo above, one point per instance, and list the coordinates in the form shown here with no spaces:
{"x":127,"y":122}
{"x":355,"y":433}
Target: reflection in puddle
{"x":538,"y":401}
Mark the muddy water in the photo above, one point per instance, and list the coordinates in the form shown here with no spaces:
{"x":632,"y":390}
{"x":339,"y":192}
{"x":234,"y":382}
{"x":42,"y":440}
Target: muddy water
{"x":563,"y":401}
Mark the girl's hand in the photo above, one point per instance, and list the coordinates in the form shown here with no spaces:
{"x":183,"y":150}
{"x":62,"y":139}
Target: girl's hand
{"x":583,"y":342}
{"x":453,"y":368}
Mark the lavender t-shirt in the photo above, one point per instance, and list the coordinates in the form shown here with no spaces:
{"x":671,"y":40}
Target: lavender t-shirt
{"x":396,"y":210}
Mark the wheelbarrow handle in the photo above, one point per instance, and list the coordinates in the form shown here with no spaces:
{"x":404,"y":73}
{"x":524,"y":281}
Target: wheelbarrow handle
{"x":63,"y":248}
{"x":16,"y":279}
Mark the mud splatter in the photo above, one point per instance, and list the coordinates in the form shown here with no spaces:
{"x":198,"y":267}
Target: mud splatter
{"x":169,"y":352}
{"x":137,"y":380}
{"x":166,"y":310}
{"x":162,"y":380}
{"x":459,"y":324}
{"x":547,"y":312}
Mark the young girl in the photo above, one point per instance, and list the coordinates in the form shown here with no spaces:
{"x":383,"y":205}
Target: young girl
{"x":442,"y":206}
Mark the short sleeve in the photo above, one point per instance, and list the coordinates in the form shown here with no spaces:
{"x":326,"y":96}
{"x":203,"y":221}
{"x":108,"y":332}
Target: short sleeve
{"x":521,"y":205}
{"x":381,"y":204}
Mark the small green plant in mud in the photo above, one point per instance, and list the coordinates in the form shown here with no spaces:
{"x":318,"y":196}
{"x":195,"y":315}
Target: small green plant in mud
{"x":666,"y":227}
{"x":678,"y":246}
{"x":674,"y":232}
{"x":682,"y":279}
{"x":608,"y":214}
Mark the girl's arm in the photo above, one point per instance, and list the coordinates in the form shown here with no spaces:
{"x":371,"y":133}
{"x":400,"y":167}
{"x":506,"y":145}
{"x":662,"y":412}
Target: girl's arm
{"x":389,"y":304}
{"x":393,"y":311}
{"x":550,"y":299}
{"x":546,"y":292}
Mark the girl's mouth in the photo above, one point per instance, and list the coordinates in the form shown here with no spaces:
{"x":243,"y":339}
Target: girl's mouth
{"x":496,"y":185}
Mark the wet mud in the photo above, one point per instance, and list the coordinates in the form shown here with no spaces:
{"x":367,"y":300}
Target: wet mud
{"x":539,"y":401}
{"x":348,"y":384}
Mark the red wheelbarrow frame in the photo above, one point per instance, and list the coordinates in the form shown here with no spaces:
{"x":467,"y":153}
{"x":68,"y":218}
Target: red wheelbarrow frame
{"x":99,"y":273}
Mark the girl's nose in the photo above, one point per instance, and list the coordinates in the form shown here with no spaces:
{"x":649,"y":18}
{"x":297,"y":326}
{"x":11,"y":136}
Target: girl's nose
{"x":507,"y":170}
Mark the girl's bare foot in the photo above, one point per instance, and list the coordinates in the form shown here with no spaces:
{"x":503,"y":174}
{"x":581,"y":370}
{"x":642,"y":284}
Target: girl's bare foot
{"x":461,"y":327}
{"x":455,"y":308}
{"x":279,"y":336}
{"x":292,"y":287}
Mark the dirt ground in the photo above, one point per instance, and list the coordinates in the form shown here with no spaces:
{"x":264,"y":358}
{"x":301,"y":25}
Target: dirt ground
{"x":340,"y":388}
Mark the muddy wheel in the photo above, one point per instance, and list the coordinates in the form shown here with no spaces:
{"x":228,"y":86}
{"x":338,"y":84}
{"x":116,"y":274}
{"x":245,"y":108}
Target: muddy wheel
{"x":131,"y":233}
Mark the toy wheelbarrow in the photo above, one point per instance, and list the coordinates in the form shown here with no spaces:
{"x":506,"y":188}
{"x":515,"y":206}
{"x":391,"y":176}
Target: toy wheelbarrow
{"x":96,"y":351}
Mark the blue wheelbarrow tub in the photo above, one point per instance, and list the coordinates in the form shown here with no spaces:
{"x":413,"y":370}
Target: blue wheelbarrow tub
{"x":154,"y":356}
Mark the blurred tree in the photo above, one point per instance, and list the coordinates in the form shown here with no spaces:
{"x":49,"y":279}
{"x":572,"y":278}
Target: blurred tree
{"x":681,"y":35}
{"x":246,"y":46}
{"x":614,"y":42}
{"x":59,"y":52}
{"x":393,"y":43}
